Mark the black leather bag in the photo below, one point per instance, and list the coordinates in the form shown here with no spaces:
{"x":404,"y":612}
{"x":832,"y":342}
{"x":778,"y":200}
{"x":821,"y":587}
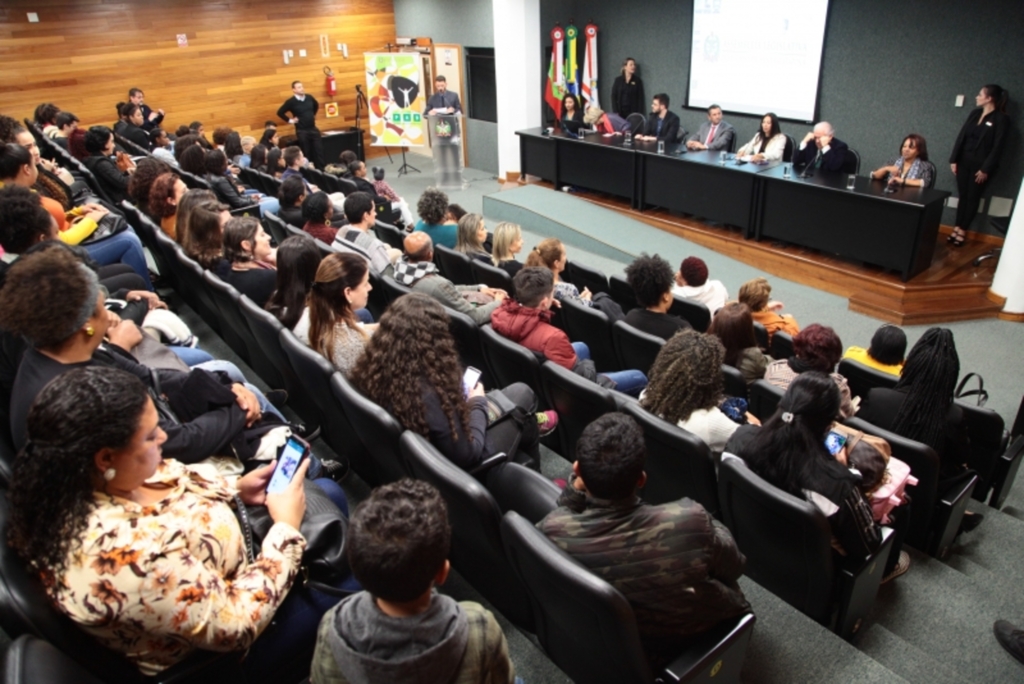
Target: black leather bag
{"x":111,"y":224}
{"x":325,"y":528}
{"x":981,"y":393}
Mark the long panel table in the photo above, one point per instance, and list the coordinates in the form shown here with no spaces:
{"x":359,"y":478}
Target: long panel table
{"x":896,"y":231}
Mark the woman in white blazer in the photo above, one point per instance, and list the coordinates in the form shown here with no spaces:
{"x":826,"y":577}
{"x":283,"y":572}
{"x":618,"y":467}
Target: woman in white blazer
{"x":768,"y":144}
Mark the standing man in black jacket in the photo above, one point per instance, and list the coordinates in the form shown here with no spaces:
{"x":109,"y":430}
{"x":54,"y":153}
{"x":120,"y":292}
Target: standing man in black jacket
{"x":300,"y":109}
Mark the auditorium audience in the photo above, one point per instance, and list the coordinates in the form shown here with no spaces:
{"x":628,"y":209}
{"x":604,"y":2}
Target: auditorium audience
{"x":70,"y":330}
{"x":411,"y":368}
{"x":329,"y":324}
{"x":233,"y":147}
{"x":270,"y":138}
{"x":161,"y":146}
{"x":358,"y":171}
{"x":676,"y":565}
{"x":358,"y":236}
{"x":417,"y":271}
{"x":165,"y":196}
{"x":146,"y":554}
{"x":911,"y":167}
{"x":756,"y":294}
{"x":139,"y":185}
{"x":550,"y":254}
{"x":686,"y":388}
{"x":526,"y":320}
{"x":651,"y":280}
{"x":249,"y":262}
{"x":291,"y":195}
{"x":76,"y":226}
{"x":734,"y":327}
{"x":400,"y":629}
{"x":99,"y":143}
{"x":54,"y":181}
{"x":275,"y":162}
{"x":888,"y":347}
{"x":815,"y":348}
{"x":768,"y":144}
{"x":432,"y":208}
{"x":789,"y":452}
{"x":317,"y":212}
{"x":508,"y":241}
{"x":298,"y":258}
{"x":130,"y":125}
{"x":224,"y":184}
{"x":628,"y":90}
{"x":201,"y":232}
{"x":151,"y":118}
{"x":472,"y":232}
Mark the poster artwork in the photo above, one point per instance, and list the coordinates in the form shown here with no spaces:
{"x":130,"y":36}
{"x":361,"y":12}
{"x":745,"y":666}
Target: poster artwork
{"x":396,"y":100}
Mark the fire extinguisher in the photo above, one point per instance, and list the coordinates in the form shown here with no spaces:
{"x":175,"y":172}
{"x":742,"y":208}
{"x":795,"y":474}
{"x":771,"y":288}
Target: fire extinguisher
{"x":331,"y":84}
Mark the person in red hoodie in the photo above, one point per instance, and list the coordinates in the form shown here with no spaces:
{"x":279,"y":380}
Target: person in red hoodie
{"x":527,"y":321}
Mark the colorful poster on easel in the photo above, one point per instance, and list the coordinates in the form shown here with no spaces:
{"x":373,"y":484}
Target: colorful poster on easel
{"x":394,"y":86}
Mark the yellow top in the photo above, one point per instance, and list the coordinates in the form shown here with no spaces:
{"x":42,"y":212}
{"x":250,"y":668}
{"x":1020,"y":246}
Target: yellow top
{"x":860,"y":354}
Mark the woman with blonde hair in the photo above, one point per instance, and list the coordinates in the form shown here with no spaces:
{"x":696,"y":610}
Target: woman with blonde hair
{"x":508,"y":241}
{"x":471,"y":236}
{"x":329,"y":324}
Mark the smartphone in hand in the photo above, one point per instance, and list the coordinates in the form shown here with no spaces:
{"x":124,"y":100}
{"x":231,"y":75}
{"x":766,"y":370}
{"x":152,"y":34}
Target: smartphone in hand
{"x":287,"y":464}
{"x":469,"y":380}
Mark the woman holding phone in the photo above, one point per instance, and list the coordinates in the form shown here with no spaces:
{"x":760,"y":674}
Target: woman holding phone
{"x":411,"y":368}
{"x":146,"y":554}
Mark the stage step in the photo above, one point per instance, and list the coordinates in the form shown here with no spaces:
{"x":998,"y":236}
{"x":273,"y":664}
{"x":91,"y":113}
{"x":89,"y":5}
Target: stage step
{"x":930,"y":308}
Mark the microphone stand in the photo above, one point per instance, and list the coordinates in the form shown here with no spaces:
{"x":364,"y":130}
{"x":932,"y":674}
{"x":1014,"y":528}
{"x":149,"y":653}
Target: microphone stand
{"x":361,"y":99}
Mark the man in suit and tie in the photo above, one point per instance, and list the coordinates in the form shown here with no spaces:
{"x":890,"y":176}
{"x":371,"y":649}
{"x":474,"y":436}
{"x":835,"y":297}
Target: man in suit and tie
{"x":714,"y":134}
{"x":443,"y":101}
{"x":661,"y":124}
{"x":821,"y":149}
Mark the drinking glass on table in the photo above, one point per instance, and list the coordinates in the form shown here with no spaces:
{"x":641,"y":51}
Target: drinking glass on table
{"x":851,"y":180}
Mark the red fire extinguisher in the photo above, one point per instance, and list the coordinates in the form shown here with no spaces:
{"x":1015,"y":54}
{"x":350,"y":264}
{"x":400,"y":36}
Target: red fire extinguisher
{"x":331,"y":84}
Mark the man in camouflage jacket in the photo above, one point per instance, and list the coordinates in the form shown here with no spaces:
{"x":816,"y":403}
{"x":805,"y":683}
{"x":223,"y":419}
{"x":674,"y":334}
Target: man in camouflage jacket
{"x":674,"y":563}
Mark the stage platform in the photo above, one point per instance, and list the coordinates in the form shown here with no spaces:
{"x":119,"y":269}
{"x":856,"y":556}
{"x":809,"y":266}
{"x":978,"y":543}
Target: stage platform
{"x":951,"y":289}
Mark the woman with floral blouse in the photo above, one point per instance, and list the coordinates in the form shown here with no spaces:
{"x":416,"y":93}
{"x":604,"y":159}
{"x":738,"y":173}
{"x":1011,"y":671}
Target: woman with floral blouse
{"x":146,"y":555}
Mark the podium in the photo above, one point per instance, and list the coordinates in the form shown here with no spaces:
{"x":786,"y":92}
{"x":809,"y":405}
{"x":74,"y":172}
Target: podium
{"x":446,"y":142}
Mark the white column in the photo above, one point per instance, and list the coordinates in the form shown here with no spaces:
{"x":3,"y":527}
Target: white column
{"x":1009,"y":278}
{"x":517,"y":74}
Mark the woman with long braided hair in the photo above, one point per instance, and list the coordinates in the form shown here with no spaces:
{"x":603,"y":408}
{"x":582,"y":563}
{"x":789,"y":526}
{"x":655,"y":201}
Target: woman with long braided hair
{"x":921,"y":407}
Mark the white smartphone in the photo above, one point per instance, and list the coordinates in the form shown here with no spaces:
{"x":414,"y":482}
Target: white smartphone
{"x":469,"y":380}
{"x":287,"y":464}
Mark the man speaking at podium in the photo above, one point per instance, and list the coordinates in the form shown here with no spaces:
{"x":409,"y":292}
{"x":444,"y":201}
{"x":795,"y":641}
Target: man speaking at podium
{"x":442,"y":101}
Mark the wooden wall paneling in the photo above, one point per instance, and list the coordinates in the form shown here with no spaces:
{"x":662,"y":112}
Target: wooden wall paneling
{"x":85,"y":55}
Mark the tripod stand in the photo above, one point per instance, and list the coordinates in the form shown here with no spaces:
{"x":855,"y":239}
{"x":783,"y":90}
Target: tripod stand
{"x":406,"y":167}
{"x":361,"y":100}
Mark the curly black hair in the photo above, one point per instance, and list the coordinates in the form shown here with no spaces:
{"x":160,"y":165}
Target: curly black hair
{"x":686,"y":376}
{"x":8,"y":128}
{"x":146,"y":171}
{"x":399,"y":539}
{"x":23,"y":219}
{"x":75,"y":416}
{"x":650,"y":277}
{"x":432,"y":206}
{"x":315,"y":207}
{"x":411,"y":349}
{"x":611,"y":453}
{"x":42,"y":294}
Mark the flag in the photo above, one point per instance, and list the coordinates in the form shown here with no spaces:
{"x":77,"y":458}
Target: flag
{"x":555,"y":90}
{"x":588,"y":83}
{"x":572,"y":69}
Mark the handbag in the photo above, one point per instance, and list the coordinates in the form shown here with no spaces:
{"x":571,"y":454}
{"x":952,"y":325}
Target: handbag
{"x":111,"y":224}
{"x":981,"y":393}
{"x":325,"y":528}
{"x":505,"y":423}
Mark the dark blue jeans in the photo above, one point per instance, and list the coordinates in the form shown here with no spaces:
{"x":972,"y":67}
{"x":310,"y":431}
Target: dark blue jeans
{"x":631,"y":382}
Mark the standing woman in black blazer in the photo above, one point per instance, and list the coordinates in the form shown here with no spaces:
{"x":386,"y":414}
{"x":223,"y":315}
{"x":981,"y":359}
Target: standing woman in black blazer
{"x":976,"y":155}
{"x":628,"y":91}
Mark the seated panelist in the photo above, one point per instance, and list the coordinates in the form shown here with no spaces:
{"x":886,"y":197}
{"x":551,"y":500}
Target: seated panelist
{"x":713,"y":134}
{"x":661,"y":124}
{"x":572,"y":116}
{"x":821,"y":149}
{"x":911,"y":167}
{"x":768,"y":144}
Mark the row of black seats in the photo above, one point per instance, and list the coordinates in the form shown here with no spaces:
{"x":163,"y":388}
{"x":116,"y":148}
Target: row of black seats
{"x":380,"y":451}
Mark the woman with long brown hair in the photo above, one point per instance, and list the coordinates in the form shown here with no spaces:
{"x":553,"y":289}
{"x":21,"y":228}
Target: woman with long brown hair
{"x":412,"y":369}
{"x":733,"y":325}
{"x":329,"y":324}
